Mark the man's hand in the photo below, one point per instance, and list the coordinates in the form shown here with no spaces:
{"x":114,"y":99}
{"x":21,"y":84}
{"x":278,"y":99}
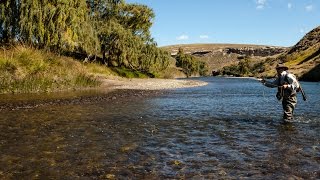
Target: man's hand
{"x":262,"y":80}
{"x":285,"y":86}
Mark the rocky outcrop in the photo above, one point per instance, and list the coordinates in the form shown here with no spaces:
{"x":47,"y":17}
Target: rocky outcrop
{"x":201,"y":53}
{"x":250,"y":51}
{"x":262,"y":51}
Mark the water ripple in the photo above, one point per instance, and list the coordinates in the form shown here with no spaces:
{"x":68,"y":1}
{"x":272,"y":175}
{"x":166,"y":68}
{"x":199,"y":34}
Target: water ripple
{"x":230,"y":129}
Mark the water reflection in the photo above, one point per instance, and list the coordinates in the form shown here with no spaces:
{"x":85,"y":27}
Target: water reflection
{"x":227,"y":130}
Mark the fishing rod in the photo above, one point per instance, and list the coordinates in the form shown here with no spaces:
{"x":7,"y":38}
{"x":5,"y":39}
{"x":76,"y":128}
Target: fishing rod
{"x":304,"y":96}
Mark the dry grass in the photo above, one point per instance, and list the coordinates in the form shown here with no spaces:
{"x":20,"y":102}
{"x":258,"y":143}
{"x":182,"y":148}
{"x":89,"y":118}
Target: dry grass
{"x":24,"y":69}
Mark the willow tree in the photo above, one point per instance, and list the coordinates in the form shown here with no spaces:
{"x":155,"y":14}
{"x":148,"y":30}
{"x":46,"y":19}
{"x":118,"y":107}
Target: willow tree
{"x":59,"y":25}
{"x":190,"y":64}
{"x":9,"y":20}
{"x":124,"y":33}
{"x":137,"y":18}
{"x":119,"y":31}
{"x":118,"y":45}
{"x":153,"y":58}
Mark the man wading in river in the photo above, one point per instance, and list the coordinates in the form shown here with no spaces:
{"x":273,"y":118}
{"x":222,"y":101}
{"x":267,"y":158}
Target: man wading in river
{"x":287,"y":85}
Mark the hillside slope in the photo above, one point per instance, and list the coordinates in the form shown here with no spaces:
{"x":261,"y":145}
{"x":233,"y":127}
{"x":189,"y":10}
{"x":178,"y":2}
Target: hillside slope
{"x":304,"y":57}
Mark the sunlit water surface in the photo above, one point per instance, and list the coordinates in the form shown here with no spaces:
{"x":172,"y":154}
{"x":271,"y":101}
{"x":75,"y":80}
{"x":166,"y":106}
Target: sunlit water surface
{"x":230,"y":128}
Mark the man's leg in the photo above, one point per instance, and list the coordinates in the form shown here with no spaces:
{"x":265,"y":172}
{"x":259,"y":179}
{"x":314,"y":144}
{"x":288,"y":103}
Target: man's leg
{"x":288,"y":105}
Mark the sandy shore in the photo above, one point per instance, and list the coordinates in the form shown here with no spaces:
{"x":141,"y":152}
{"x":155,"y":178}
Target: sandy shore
{"x":150,"y":84}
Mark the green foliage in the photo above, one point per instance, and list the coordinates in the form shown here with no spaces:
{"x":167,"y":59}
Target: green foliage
{"x":190,"y":65}
{"x":303,"y":56}
{"x":258,"y":68}
{"x":137,"y":18}
{"x":130,"y":51}
{"x":231,"y":70}
{"x":243,"y":68}
{"x":203,"y":68}
{"x":7,"y":66}
{"x":85,"y":80}
{"x":246,"y":67}
{"x":56,"y":25}
{"x":125,"y":38}
{"x":120,"y":32}
{"x":9,"y":18}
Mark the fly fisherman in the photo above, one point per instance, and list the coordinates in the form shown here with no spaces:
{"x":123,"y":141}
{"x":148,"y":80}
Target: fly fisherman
{"x":287,"y":85}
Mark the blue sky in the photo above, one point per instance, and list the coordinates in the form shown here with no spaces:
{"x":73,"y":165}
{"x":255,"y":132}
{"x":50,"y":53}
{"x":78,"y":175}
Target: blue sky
{"x":264,"y":22}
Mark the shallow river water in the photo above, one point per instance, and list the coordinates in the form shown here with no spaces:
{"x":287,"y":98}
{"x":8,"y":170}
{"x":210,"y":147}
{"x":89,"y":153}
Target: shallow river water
{"x":229,"y":129}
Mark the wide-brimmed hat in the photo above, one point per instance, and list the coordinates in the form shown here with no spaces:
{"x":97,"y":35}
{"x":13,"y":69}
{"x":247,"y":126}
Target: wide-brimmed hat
{"x":281,"y":66}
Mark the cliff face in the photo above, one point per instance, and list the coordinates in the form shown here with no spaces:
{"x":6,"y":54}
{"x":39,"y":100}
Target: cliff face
{"x":263,"y":51}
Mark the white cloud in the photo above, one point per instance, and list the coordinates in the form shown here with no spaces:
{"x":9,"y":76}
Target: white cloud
{"x":204,"y":37}
{"x":309,"y":8}
{"x":289,"y":6}
{"x":183,"y":37}
{"x":261,"y":4}
{"x":260,"y":7}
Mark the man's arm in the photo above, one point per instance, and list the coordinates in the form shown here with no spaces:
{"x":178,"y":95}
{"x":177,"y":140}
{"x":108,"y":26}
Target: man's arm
{"x":272,"y":84}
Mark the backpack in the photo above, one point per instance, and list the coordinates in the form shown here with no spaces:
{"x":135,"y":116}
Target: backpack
{"x":287,"y":80}
{"x":299,"y":89}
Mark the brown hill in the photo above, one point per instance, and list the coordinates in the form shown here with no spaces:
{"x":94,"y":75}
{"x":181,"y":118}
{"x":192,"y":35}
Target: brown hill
{"x":303,"y":58}
{"x":218,"y":56}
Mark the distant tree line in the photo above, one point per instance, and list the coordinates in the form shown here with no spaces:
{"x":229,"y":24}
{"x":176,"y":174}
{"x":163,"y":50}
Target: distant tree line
{"x":117,"y":32}
{"x":190,"y":64}
{"x":245,"y":67}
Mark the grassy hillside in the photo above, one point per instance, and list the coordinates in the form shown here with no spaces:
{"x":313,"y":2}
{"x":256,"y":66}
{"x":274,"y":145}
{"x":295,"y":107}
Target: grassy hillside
{"x":303,"y":59}
{"x":28,"y":70}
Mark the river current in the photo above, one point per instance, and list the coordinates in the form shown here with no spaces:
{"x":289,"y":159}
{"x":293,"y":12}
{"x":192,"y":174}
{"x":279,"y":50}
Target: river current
{"x":229,"y":129}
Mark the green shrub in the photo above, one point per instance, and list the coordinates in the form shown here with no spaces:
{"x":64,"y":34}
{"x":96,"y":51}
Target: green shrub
{"x":84,"y":80}
{"x":8,"y":66}
{"x":190,"y":64}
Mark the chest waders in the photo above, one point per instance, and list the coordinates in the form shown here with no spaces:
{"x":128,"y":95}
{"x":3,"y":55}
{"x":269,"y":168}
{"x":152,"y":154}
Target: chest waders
{"x":289,"y":100}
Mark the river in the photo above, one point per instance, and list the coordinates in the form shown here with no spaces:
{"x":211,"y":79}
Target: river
{"x":229,"y":129}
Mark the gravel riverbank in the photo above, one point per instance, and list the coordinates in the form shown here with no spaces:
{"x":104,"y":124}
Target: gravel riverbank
{"x":150,"y":84}
{"x":112,"y":90}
